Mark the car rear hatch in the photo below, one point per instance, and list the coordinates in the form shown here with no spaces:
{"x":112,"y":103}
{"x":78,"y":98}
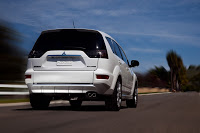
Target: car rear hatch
{"x":67,"y":56}
{"x":65,"y":61}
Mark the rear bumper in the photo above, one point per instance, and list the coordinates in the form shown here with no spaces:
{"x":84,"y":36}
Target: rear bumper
{"x":99,"y":88}
{"x":69,"y":82}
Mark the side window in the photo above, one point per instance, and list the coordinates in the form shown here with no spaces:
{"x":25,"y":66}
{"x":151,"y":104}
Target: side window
{"x":111,"y":44}
{"x":124,"y":56}
{"x":117,"y":49}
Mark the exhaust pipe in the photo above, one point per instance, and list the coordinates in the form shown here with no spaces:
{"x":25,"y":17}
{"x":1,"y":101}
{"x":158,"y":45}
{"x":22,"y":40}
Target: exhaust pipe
{"x":92,"y":95}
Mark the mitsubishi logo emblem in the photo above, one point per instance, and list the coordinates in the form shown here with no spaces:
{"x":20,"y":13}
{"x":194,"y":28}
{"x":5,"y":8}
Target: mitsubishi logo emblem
{"x":63,"y":53}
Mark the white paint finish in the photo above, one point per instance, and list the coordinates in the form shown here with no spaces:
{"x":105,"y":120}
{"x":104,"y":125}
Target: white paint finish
{"x":75,"y":91}
{"x":59,"y":71}
{"x":61,"y":91}
{"x":36,"y":90}
{"x":63,"y":77}
{"x":116,"y":73}
{"x":79,"y":61}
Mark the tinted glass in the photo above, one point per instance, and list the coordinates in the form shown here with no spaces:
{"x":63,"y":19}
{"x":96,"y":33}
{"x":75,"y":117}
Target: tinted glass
{"x":90,"y":42}
{"x":124,"y":56}
{"x":117,"y":49}
{"x":111,"y":44}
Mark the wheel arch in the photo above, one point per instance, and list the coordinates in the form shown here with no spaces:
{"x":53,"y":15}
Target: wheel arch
{"x":135,"y":84}
{"x":116,"y":75}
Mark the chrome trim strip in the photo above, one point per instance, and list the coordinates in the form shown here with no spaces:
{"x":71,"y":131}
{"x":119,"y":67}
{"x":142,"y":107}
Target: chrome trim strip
{"x":89,"y":85}
{"x":63,"y":56}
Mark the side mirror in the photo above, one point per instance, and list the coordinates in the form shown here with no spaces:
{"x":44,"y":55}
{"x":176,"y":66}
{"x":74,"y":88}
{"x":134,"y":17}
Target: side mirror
{"x":134,"y":63}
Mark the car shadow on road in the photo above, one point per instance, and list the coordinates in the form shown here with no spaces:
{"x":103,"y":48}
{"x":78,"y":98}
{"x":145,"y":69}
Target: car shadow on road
{"x":69,"y":108}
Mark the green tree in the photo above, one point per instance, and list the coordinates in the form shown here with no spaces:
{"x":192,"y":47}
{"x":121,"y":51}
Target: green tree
{"x":155,"y":77}
{"x":177,"y":70}
{"x":182,"y":77}
{"x":195,"y":81}
{"x":160,"y":72}
{"x":193,"y":75}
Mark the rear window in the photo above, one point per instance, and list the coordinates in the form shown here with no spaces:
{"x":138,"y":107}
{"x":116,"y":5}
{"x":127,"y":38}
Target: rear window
{"x":91,"y":42}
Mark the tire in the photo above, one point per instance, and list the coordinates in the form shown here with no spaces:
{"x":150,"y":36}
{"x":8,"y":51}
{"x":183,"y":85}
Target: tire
{"x":132,"y":103}
{"x":38,"y":101}
{"x":113,"y":103}
{"x":75,"y":103}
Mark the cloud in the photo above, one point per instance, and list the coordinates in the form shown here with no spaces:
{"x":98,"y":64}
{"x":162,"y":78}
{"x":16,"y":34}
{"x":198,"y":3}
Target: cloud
{"x":145,"y":50}
{"x":142,"y":26}
{"x":113,"y":13}
{"x":167,"y":37}
{"x":154,"y":34}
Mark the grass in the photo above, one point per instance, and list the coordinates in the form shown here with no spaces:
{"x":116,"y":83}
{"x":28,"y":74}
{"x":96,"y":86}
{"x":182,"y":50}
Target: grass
{"x":14,"y":100}
{"x":150,"y":92}
{"x":20,"y":82}
{"x":146,"y":90}
{"x":13,"y":89}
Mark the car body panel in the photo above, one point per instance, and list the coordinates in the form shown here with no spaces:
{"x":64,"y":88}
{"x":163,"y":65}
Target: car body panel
{"x":72,"y":71}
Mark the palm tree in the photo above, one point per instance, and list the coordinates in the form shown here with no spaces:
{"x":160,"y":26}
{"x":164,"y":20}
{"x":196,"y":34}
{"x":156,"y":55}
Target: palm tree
{"x":160,"y":72}
{"x":176,"y":66}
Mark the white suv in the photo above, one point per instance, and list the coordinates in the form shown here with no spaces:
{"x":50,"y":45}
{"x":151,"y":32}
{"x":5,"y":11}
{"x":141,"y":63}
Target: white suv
{"x":80,"y":65}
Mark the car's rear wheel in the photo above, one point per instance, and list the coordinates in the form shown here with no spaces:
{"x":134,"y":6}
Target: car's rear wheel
{"x":39,"y":101}
{"x":113,"y":102}
{"x":132,"y":103}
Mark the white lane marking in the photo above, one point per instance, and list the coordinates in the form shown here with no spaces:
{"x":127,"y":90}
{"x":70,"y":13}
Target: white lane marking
{"x":27,"y":103}
{"x":13,"y":93}
{"x":14,"y":104}
{"x":13,"y":86}
{"x":59,"y":101}
{"x":154,"y":93}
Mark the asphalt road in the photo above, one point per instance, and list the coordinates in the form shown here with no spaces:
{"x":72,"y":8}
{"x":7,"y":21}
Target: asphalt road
{"x":177,"y":112}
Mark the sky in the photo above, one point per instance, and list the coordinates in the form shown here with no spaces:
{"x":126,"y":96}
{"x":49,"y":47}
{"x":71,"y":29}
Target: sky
{"x":146,"y":29}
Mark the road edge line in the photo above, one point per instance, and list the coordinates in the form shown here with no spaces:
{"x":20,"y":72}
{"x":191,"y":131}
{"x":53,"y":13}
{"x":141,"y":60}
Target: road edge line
{"x":154,"y":93}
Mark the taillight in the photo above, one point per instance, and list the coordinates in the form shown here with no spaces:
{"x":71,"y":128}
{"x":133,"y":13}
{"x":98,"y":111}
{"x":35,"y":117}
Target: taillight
{"x":97,"y":53}
{"x":102,"y":76}
{"x":102,"y":54}
{"x":28,"y":76}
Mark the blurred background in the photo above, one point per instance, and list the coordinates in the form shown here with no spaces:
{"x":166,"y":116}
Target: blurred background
{"x":12,"y":57}
{"x":163,"y":36}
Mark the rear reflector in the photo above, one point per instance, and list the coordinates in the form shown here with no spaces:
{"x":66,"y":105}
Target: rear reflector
{"x":102,"y":76}
{"x":28,"y":76}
